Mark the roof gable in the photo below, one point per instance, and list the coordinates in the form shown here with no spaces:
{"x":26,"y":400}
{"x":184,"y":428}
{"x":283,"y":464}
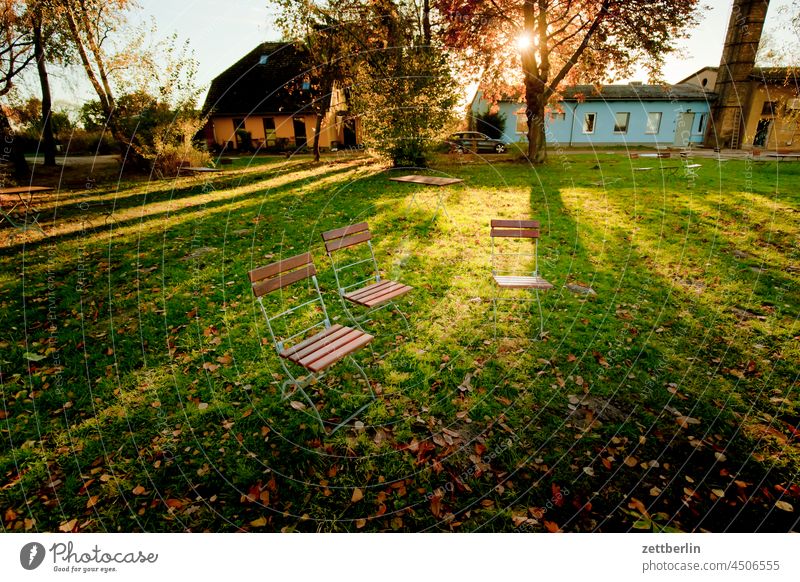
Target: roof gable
{"x":268,"y":80}
{"x":697,"y":74}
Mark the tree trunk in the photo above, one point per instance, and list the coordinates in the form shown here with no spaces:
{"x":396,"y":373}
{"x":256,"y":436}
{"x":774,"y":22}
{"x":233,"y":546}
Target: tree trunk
{"x":535,"y":79}
{"x":317,"y":130}
{"x":10,"y":151}
{"x":48,"y":139}
{"x":426,"y":22}
{"x":537,"y":142}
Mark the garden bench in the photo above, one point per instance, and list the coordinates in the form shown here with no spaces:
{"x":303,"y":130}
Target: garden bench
{"x":25,"y":202}
{"x":503,"y":277}
{"x":318,"y":352}
{"x":784,"y":156}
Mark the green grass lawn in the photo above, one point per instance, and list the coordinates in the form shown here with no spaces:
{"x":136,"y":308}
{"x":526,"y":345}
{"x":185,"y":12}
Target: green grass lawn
{"x":140,"y":392}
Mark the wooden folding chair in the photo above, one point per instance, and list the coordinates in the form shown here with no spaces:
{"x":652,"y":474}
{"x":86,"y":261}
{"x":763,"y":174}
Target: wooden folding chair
{"x":506,"y":278}
{"x":372,"y":293}
{"x":314,"y":354}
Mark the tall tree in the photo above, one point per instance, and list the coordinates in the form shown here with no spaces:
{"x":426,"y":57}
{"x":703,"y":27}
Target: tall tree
{"x":551,"y":42}
{"x":16,"y":53}
{"x":16,"y":44}
{"x":397,"y":79}
{"x":37,"y":18}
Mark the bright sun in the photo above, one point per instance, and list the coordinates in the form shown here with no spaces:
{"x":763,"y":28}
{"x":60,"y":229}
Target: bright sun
{"x":523,"y":42}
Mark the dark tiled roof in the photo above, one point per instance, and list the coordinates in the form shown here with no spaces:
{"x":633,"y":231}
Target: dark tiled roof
{"x":783,"y":75}
{"x":681,"y":92}
{"x":249,"y":87}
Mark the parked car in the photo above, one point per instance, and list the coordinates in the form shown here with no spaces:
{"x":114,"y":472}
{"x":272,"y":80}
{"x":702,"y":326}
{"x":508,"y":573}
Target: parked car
{"x":475,"y":141}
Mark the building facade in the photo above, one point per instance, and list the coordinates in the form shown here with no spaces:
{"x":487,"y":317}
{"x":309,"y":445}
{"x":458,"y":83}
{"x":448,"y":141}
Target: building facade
{"x":626,"y":115}
{"x":270,"y":100}
{"x":768,"y":114}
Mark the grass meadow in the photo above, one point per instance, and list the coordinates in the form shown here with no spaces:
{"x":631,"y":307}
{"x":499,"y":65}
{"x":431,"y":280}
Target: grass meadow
{"x":140,"y":391}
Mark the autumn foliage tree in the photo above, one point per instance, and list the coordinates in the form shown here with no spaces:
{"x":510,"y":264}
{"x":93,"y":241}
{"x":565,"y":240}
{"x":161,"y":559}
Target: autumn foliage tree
{"x":16,"y":53}
{"x":397,"y":77}
{"x":552,"y":42}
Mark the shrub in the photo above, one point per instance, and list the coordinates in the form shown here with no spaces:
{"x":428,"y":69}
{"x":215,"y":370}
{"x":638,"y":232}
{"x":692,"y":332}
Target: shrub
{"x":171,"y":157}
{"x":491,"y":123}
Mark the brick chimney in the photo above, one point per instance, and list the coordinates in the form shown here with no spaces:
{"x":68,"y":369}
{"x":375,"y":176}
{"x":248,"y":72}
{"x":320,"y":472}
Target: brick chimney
{"x":733,"y":82}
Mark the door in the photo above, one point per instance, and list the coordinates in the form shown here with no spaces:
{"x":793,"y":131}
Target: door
{"x":270,"y":135}
{"x":683,"y":129}
{"x":300,"y":138}
{"x":762,"y":131}
{"x":349,"y":131}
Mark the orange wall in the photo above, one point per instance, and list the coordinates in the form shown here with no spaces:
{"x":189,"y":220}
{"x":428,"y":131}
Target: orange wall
{"x":784,"y":132}
{"x":331,"y":129}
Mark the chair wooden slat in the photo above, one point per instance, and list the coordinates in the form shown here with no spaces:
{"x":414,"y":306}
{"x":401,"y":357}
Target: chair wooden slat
{"x":267,"y":286}
{"x":347,"y":241}
{"x":515,"y":233}
{"x":327,"y":346}
{"x":356,"y":344}
{"x":279,"y":267}
{"x":328,"y":338}
{"x":501,"y":223}
{"x":378,"y":293}
{"x":358,"y":293}
{"x":522,"y":282}
{"x":310,"y":340}
{"x":344,"y":231}
{"x":393,"y":292}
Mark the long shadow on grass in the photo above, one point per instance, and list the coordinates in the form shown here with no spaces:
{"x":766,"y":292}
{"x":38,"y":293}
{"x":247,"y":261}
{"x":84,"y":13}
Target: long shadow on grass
{"x":665,"y":356}
{"x":109,"y":223}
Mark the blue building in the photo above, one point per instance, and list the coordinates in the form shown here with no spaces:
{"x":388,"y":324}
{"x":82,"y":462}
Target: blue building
{"x":632,"y":115}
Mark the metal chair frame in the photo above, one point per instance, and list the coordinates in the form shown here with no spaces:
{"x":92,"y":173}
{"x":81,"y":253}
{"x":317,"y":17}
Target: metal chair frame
{"x":375,"y":277}
{"x":299,"y":384}
{"x":521,"y":226}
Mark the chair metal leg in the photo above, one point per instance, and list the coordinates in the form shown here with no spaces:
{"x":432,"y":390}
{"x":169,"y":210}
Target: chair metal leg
{"x":372,"y":395}
{"x":494,"y":309}
{"x":496,"y":300}
{"x":299,"y":386}
{"x":541,"y":315}
{"x":359,"y":321}
{"x":396,"y":308}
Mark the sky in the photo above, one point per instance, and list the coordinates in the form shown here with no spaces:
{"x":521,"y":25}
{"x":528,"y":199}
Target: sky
{"x":222,"y":31}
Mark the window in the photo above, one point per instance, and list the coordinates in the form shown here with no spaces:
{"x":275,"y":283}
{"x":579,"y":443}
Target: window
{"x":262,"y":60}
{"x":699,"y":123}
{"x":522,"y":122}
{"x":621,"y":120}
{"x":653,"y":122}
{"x":270,"y":135}
{"x":769,"y":108}
{"x":557,"y":115}
{"x":588,"y":122}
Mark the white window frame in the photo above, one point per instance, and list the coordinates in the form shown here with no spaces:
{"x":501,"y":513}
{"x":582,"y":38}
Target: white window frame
{"x":627,"y":122}
{"x":699,"y":126}
{"x":521,"y":125}
{"x":594,"y":122}
{"x":647,"y":130}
